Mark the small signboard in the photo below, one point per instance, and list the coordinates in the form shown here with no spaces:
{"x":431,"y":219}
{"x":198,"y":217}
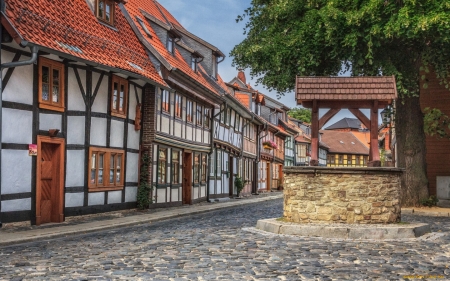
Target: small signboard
{"x":32,"y":149}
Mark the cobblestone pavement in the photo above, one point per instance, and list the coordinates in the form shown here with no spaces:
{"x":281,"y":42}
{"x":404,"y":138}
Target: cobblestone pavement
{"x":219,"y":246}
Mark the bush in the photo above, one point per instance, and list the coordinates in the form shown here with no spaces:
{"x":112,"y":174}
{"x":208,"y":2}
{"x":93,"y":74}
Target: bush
{"x":144,"y":190}
{"x":239,"y":183}
{"x":430,"y":201}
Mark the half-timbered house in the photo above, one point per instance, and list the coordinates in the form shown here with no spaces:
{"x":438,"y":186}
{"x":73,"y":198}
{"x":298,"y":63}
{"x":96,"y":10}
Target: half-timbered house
{"x":178,"y":122}
{"x":71,"y":126}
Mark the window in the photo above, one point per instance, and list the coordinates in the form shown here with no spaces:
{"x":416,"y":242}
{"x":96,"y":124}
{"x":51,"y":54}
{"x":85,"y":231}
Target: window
{"x":196,"y":167}
{"x":207,"y":116}
{"x":341,"y":159}
{"x":204,"y":167}
{"x":236,"y":124}
{"x":357,"y":160}
{"x":194,"y":63}
{"x":219,"y":164}
{"x":212,"y":171}
{"x":189,"y":111}
{"x":199,"y":115}
{"x":165,"y":103}
{"x":100,"y":160}
{"x":144,"y":27}
{"x":162,"y":166}
{"x":178,"y":105}
{"x":105,"y":11}
{"x":222,"y":114}
{"x":119,"y":97}
{"x":349,"y":160}
{"x":228,"y":117}
{"x":175,"y":167}
{"x":170,"y":44}
{"x":51,"y":84}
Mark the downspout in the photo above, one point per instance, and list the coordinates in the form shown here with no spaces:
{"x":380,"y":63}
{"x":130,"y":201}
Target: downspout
{"x":34,"y":51}
{"x":211,"y":139}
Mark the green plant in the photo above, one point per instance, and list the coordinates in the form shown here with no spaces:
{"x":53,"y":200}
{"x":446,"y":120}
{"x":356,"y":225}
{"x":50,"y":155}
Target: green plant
{"x":239,"y":184}
{"x":144,"y":190}
{"x":430,"y":201}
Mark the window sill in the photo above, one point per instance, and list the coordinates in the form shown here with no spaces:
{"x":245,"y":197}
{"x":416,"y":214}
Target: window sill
{"x":179,"y":118}
{"x":106,"y":188}
{"x":52,"y":107}
{"x":165,"y":112}
{"x":119,"y":115}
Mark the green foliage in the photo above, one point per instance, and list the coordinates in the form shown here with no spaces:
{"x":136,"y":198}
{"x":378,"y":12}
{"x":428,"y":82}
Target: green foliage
{"x":383,"y":157}
{"x":144,"y":190}
{"x":367,"y":37}
{"x":302,"y":114}
{"x":239,"y":184}
{"x":436,"y":123}
{"x":429,"y":202}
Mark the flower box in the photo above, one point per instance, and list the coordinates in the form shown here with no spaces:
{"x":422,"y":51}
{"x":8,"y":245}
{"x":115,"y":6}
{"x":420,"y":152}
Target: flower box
{"x":269,"y":145}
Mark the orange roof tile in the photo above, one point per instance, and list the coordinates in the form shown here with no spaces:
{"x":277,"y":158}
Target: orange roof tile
{"x":363,"y":137}
{"x":243,"y":98}
{"x":343,"y":142}
{"x":72,"y":28}
{"x":175,"y":60}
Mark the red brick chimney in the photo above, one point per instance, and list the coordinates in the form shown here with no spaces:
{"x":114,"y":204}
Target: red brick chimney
{"x":241,"y":76}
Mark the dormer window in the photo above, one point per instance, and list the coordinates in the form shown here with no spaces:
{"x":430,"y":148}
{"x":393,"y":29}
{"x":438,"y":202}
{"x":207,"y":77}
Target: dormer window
{"x":105,"y":11}
{"x":144,"y":27}
{"x":170,"y":45}
{"x":194,"y":63}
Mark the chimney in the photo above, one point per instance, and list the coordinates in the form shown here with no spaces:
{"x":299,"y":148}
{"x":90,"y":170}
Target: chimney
{"x":241,"y":76}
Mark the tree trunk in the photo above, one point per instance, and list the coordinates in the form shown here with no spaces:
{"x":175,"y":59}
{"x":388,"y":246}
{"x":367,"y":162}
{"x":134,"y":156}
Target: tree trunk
{"x":411,"y":151}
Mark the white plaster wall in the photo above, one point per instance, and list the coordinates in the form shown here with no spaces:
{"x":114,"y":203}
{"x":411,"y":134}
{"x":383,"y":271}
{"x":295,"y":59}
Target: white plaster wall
{"x":96,"y":198}
{"x":98,"y":131}
{"x":75,"y":168}
{"x":132,"y":167}
{"x":16,"y":171}
{"x":199,"y":135}
{"x":116,"y":138}
{"x":174,"y":195}
{"x":133,"y":137}
{"x":131,"y":193}
{"x":203,"y":191}
{"x":133,"y":101}
{"x":165,"y":124}
{"x":101,"y":100}
{"x":177,"y":129}
{"x":20,"y":85}
{"x":75,"y":98}
{"x":50,"y":121}
{"x":195,"y":193}
{"x":158,"y":122}
{"x":16,"y":205}
{"x":161,"y":195}
{"x":76,"y":128}
{"x":212,"y":187}
{"x":114,"y":197}
{"x":207,"y":137}
{"x":189,"y":133}
{"x":17,"y":126}
{"x":74,"y":200}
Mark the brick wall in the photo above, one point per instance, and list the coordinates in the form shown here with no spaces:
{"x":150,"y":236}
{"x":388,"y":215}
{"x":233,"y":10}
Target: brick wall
{"x":438,"y":150}
{"x":148,"y":123}
{"x":342,"y":195}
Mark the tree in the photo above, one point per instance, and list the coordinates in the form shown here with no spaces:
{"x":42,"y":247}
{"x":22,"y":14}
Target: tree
{"x":302,"y":114}
{"x":365,"y":37}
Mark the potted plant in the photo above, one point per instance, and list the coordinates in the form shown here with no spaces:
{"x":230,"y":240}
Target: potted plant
{"x":269,"y":145}
{"x":239,"y":184}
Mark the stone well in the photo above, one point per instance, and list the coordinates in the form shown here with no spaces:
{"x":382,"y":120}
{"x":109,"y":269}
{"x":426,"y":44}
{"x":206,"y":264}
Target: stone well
{"x":342,"y":195}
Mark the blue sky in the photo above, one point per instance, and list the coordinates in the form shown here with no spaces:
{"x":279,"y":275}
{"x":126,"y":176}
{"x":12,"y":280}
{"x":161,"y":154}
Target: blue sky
{"x":215,"y":22}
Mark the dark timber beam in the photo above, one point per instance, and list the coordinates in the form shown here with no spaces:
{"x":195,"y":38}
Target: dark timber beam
{"x":315,"y":135}
{"x":358,"y":114}
{"x":330,"y":114}
{"x":374,"y":153}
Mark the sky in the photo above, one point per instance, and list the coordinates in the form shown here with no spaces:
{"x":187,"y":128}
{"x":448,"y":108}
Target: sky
{"x":215,"y":22}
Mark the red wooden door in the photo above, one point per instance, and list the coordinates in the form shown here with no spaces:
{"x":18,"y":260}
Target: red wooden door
{"x":50,"y":179}
{"x":187,"y":178}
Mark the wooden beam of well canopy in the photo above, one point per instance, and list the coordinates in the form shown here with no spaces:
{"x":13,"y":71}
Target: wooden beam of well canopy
{"x":330,"y":114}
{"x":358,"y":114}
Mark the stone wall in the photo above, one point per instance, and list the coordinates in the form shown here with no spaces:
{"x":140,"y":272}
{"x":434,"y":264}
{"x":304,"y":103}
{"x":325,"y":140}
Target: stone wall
{"x":342,"y":195}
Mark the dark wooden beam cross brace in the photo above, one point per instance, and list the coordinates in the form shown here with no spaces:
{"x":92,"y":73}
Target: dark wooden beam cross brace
{"x":315,"y":134}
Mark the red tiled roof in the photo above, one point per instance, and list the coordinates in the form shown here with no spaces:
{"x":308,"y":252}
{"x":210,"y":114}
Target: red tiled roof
{"x":175,"y":60}
{"x":71,"y":27}
{"x":343,"y":142}
{"x":346,"y":88}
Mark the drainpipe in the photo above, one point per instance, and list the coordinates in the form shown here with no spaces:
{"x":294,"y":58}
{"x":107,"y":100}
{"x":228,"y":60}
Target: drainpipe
{"x":211,"y":139}
{"x":34,"y":51}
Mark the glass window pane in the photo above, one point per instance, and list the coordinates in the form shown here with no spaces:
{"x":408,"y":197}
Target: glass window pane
{"x":108,"y":12}
{"x":100,"y":168}
{"x":45,"y":95}
{"x":122,"y":94}
{"x":111,"y":168}
{"x":45,"y":82}
{"x":55,"y":81}
{"x":114,"y":105}
{"x":100,"y":8}
{"x":119,"y":169}
{"x":93,"y":167}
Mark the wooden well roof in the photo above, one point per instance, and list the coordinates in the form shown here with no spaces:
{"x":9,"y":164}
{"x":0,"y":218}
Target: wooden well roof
{"x":379,"y":88}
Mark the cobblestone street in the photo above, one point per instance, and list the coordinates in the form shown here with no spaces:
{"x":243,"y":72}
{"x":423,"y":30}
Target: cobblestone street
{"x":222,"y":245}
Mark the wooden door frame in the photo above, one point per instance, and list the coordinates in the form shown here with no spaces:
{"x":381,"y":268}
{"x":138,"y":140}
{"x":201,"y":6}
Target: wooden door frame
{"x":187,"y":178}
{"x":268,"y":176}
{"x":61,"y":143}
{"x":230,"y":178}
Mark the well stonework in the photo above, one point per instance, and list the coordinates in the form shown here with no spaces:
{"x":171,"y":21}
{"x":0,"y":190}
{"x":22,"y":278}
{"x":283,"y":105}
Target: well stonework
{"x":342,"y":195}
